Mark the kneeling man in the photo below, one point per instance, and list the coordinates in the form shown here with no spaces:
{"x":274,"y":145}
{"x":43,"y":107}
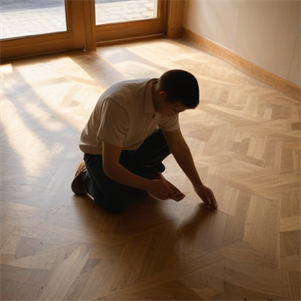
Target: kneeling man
{"x":132,"y":129}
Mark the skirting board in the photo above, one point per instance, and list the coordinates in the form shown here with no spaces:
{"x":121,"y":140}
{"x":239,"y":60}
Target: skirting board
{"x":266,"y":77}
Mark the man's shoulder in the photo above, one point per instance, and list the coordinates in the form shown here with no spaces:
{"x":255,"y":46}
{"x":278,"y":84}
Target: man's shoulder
{"x":129,"y":86}
{"x":126,"y":91}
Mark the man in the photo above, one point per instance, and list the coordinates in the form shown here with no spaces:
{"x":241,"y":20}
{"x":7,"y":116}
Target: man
{"x":132,"y":128}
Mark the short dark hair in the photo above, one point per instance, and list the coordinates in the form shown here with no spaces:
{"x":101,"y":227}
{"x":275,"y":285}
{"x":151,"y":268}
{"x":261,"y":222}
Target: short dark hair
{"x":180,"y":85}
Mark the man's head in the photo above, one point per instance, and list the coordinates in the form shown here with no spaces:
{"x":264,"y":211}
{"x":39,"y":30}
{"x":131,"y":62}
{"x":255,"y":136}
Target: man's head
{"x":180,"y":85}
{"x":175,"y":91}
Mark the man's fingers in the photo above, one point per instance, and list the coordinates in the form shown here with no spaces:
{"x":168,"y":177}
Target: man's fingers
{"x":178,"y":197}
{"x":210,"y":203}
{"x":176,"y":194}
{"x":165,"y":190}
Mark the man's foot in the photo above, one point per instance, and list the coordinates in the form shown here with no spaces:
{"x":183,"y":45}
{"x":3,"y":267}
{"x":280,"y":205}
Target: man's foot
{"x":77,"y":184}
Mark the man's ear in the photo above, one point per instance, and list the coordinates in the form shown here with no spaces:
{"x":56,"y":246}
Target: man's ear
{"x":162,"y":95}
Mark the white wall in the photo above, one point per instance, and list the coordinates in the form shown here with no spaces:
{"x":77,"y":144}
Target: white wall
{"x":265,"y":32}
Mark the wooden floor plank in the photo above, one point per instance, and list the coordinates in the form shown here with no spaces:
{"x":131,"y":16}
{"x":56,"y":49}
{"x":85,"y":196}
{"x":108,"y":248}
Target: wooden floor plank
{"x":245,"y":138}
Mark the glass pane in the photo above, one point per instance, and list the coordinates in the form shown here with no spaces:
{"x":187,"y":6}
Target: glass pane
{"x":31,"y":17}
{"x":114,"y":11}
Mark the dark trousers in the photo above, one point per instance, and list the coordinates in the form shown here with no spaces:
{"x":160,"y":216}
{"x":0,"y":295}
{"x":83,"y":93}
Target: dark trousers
{"x":145,"y":162}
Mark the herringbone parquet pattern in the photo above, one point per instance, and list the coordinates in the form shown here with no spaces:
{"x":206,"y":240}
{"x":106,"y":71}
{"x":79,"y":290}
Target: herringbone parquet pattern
{"x":245,"y":138}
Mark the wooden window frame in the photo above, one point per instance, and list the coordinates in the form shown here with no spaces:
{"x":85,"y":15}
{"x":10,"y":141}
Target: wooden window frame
{"x":106,"y":33}
{"x":79,"y":29}
{"x":82,"y":33}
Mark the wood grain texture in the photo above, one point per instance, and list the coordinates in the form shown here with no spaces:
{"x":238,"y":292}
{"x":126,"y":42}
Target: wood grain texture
{"x":245,"y":138}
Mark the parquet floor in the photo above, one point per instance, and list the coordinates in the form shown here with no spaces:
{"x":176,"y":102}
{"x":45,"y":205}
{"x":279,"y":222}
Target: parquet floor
{"x":245,"y":138}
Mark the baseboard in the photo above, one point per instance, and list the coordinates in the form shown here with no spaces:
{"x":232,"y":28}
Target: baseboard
{"x":128,"y":40}
{"x":266,"y":77}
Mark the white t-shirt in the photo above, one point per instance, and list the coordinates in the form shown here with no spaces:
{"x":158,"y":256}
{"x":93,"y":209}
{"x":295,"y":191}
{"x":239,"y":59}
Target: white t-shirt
{"x":124,"y":116}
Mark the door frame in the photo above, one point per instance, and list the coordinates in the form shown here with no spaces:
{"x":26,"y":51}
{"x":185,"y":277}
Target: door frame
{"x":79,"y":34}
{"x":106,"y":33}
{"x":83,"y":34}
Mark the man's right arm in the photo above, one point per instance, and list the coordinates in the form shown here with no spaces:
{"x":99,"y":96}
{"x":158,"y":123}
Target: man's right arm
{"x":159,"y":188}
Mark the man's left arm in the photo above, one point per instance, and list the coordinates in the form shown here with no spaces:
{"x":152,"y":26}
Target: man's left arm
{"x":182,"y":154}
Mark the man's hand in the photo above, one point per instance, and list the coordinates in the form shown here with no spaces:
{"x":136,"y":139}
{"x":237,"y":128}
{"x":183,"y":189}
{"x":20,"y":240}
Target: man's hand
{"x":163,"y":190}
{"x":182,"y":154}
{"x":206,"y":195}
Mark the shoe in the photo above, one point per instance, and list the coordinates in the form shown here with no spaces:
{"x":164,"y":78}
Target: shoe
{"x":77,"y":184}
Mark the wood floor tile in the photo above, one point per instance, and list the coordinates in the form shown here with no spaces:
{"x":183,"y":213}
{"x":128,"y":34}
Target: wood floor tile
{"x":244,"y":137}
